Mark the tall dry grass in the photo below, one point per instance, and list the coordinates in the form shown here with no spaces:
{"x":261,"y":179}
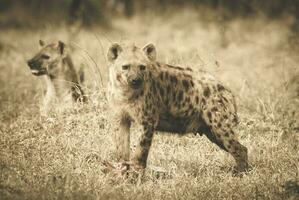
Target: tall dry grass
{"x":59,"y":157}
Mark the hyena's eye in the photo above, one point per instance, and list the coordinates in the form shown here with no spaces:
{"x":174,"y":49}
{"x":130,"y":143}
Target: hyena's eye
{"x":142,"y":67}
{"x":125,"y":67}
{"x":44,"y":56}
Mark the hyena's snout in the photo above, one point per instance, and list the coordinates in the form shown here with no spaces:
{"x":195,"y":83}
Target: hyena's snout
{"x":36,"y":67}
{"x":32,"y":64}
{"x":135,"y":82}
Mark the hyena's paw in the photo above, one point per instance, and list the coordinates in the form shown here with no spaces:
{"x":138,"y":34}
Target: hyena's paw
{"x":115,"y":169}
{"x":240,"y":170}
{"x":123,"y":169}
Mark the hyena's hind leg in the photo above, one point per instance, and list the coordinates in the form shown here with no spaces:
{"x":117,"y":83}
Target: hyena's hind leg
{"x":221,"y":121}
{"x":225,"y":139}
{"x":240,"y":154}
{"x":211,"y":136}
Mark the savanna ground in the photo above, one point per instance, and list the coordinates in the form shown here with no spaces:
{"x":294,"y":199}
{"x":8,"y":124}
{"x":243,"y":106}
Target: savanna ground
{"x":60,"y":157}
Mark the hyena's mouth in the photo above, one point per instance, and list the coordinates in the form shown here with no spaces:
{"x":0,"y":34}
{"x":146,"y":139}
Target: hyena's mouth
{"x":38,"y":72}
{"x":136,"y":87}
{"x":136,"y":84}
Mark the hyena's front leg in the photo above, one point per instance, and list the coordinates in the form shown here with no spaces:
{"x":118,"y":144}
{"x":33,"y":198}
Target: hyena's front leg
{"x":47,"y":103}
{"x":139,"y":159}
{"x":49,"y":97}
{"x":122,"y":138}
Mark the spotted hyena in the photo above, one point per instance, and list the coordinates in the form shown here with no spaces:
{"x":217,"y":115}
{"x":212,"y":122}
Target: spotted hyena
{"x":54,"y":63}
{"x":166,"y":98}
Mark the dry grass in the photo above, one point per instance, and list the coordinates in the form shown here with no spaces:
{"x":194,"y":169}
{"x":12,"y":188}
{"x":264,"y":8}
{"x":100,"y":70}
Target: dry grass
{"x":60,"y":157}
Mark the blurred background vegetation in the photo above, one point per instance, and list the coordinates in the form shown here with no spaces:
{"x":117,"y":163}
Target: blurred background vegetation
{"x":36,"y":14}
{"x":32,"y":13}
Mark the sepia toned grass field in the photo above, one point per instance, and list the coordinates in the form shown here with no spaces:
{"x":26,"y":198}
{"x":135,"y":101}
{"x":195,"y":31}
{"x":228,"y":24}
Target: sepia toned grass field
{"x":60,"y":156}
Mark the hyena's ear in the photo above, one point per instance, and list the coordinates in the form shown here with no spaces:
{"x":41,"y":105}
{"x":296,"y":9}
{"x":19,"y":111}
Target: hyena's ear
{"x":114,"y":52}
{"x":61,"y":47}
{"x":150,"y":51}
{"x":41,"y":43}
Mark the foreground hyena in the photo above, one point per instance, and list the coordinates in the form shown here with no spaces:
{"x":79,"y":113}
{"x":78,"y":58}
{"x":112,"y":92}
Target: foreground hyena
{"x":61,"y":78}
{"x":161,"y":97}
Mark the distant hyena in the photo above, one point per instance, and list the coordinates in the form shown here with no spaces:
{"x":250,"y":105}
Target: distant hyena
{"x":161,"y":97}
{"x":61,"y":79}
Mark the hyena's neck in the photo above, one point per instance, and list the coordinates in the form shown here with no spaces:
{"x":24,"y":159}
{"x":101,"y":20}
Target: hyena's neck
{"x":123,"y":96}
{"x":69,"y":70}
{"x":50,"y":90}
{"x":71,"y":76}
{"x":62,"y":80}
